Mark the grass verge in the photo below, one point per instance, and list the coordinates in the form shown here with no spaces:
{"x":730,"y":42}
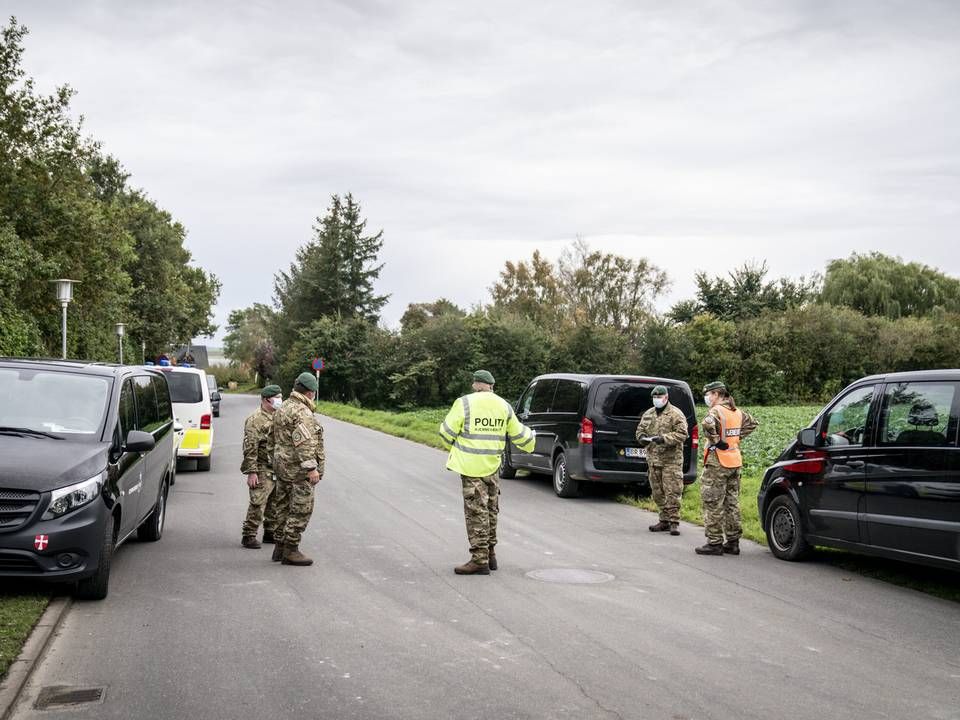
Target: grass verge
{"x":18,"y":615}
{"x":418,"y":425}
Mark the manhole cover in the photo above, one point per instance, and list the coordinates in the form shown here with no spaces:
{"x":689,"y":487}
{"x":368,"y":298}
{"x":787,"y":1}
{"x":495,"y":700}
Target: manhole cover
{"x":58,"y":696}
{"x":571,"y":576}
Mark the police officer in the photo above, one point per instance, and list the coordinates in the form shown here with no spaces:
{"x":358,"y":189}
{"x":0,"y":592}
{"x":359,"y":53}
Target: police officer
{"x":723,"y":428}
{"x":475,"y":431}
{"x":258,"y":467}
{"x":662,"y":431}
{"x":298,"y":462}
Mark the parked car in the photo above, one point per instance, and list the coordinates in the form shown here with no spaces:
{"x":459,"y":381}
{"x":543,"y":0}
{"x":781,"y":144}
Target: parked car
{"x":214,"y":395}
{"x":877,"y":472}
{"x":86,"y":460}
{"x":586,"y":429}
{"x":192,"y":408}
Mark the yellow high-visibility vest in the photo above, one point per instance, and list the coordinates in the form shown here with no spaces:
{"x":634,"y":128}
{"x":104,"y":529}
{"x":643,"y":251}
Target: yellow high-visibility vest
{"x":476,"y":430}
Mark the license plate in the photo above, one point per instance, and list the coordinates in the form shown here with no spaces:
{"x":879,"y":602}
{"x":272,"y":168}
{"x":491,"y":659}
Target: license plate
{"x":635,"y":452}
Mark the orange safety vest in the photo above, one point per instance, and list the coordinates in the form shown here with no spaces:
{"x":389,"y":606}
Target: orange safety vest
{"x":730,"y":422}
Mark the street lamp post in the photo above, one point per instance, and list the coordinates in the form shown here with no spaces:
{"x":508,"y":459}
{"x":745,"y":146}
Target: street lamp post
{"x":120,"y":329}
{"x":64,"y":295}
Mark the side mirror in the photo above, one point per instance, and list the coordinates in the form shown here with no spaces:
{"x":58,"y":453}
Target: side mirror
{"x":807,"y":437}
{"x":215,"y":395}
{"x":139,"y":441}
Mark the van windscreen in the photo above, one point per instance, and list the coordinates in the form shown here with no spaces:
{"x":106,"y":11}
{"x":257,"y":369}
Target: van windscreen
{"x":54,"y":402}
{"x":184,"y":387}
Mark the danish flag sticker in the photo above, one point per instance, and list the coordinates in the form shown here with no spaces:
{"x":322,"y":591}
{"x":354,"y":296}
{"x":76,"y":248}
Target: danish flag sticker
{"x":40,"y":542}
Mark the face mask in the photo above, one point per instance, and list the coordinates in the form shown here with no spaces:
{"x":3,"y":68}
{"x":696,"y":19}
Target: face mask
{"x":659,"y":402}
{"x":276,"y":402}
{"x":706,"y":400}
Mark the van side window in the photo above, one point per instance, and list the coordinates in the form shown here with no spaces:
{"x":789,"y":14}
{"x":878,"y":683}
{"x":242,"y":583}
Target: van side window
{"x":127,"y":411}
{"x":148,"y":416}
{"x":917,"y":414}
{"x":164,"y":408}
{"x":567,"y":399}
{"x":846,"y":422}
{"x":542,"y":397}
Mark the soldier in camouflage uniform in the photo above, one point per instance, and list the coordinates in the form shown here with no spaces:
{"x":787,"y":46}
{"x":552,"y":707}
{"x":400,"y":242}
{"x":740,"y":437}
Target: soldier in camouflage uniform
{"x":662,"y":431}
{"x":298,"y":462}
{"x":722,"y":430}
{"x":258,"y":467}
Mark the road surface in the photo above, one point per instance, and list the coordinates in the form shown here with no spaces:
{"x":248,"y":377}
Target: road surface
{"x":380,"y":627}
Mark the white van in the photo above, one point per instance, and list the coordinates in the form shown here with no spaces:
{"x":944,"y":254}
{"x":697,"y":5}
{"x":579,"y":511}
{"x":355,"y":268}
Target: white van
{"x":190,"y":396}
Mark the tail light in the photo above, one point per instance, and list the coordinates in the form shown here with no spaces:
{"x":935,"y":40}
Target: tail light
{"x":695,"y":437}
{"x":809,"y":463}
{"x":204,"y":422}
{"x":585,"y":436}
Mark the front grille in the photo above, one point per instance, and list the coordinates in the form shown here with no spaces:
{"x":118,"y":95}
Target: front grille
{"x":18,"y":563}
{"x":16,"y":507}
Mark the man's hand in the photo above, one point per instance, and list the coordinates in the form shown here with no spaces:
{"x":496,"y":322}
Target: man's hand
{"x":658,"y":440}
{"x":314,"y":477}
{"x":253,"y":480}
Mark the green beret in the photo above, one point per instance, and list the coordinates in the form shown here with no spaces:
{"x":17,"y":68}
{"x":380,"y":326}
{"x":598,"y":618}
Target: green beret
{"x":483,"y":376}
{"x":270,"y":391}
{"x":715,"y":385}
{"x":308,"y":381}
{"x":659,"y":390}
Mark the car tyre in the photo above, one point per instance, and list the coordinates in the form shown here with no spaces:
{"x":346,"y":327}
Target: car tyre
{"x":507,"y":471}
{"x":563,"y":485}
{"x":785,"y":530}
{"x":96,"y":586}
{"x":152,"y":528}
{"x":203,"y":463}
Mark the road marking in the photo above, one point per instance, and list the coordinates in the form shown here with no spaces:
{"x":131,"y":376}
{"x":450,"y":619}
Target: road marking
{"x":812,"y":649}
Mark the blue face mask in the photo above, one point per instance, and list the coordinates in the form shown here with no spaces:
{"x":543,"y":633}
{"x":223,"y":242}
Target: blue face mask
{"x":276,"y":401}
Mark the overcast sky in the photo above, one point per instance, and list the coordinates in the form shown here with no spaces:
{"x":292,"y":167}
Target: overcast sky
{"x":697,"y":134}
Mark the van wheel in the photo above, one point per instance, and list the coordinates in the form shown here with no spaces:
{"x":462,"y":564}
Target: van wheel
{"x":785,"y":530}
{"x":95,"y":587}
{"x":563,"y":484}
{"x":507,"y":471}
{"x":152,"y":528}
{"x":203,"y":463}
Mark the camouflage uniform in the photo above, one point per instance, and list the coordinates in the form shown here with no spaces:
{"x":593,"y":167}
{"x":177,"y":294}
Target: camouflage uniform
{"x":258,"y":458}
{"x":665,"y":461}
{"x":481,"y":505}
{"x":298,"y":435}
{"x":719,"y":485}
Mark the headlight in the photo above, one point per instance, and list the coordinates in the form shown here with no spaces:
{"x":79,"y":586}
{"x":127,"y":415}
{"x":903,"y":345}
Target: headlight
{"x":72,"y":497}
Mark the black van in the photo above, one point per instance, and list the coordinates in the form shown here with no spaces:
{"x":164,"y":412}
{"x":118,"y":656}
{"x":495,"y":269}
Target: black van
{"x":86,"y":459}
{"x":586,"y":429}
{"x":877,"y":472}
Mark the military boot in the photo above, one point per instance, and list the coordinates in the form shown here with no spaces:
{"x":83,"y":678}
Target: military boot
{"x":472,"y":568}
{"x":674,"y":528}
{"x":277,"y":552}
{"x":250,"y":541}
{"x":267,"y":537}
{"x":493,"y":560}
{"x":731,"y":547}
{"x":293,"y":556}
{"x":710,"y":549}
{"x":660,"y":526}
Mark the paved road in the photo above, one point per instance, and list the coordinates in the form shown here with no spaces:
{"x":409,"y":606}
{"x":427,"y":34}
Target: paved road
{"x":380,"y":627}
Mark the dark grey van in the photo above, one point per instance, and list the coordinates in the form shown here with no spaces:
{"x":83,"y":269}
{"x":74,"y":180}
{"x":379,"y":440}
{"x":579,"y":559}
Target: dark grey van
{"x":586,"y":429}
{"x":86,"y":459}
{"x":877,"y":472}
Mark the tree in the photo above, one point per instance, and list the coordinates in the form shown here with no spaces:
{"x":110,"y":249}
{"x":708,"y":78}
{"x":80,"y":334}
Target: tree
{"x":249,"y":341}
{"x":419,"y":314}
{"x":747,"y":293}
{"x":531,"y":291}
{"x":877,"y":284}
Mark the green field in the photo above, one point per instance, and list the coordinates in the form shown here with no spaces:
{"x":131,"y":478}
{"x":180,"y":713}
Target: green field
{"x":18,"y":615}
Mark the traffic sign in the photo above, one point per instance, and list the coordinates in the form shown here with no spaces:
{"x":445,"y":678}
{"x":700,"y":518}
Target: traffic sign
{"x":318,"y":364}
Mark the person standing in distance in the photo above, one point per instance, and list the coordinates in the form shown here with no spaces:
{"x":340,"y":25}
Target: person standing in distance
{"x":298,"y":462}
{"x":662,"y":431}
{"x":723,"y":427}
{"x":475,"y":431}
{"x":258,"y":467}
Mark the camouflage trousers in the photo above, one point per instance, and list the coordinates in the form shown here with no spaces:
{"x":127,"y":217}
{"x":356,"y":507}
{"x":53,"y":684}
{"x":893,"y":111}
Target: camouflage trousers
{"x":666,"y":487}
{"x":262,"y":508}
{"x":294,"y":501}
{"x":720,"y":497}
{"x":481,"y":505}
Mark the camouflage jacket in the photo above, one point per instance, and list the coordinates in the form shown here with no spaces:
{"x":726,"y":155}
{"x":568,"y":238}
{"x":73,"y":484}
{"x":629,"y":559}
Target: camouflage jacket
{"x":258,"y":443}
{"x":298,"y":435}
{"x":710,"y":429}
{"x":672,"y":425}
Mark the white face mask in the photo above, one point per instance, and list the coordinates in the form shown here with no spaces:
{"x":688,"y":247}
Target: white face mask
{"x":276,"y":401}
{"x":659,"y":402}
{"x":706,"y":400}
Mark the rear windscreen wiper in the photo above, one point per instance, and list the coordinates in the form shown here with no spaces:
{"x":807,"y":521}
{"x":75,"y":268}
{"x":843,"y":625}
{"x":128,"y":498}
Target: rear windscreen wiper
{"x":28,"y":431}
